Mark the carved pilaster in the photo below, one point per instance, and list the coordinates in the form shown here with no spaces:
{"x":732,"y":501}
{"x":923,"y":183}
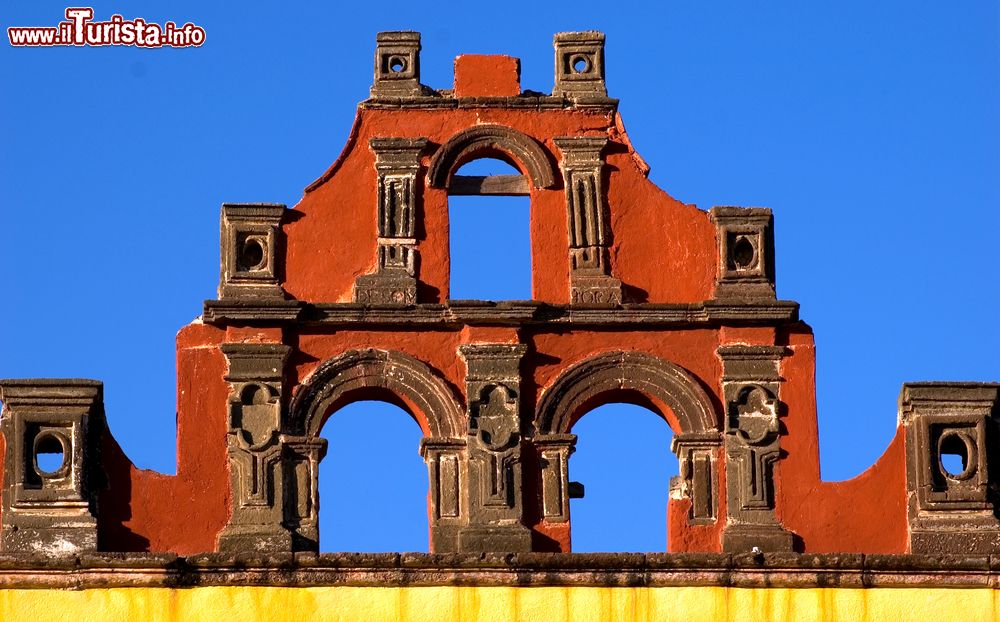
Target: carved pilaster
{"x":256,"y":450}
{"x":554,"y":451}
{"x":397,"y":161}
{"x":698,"y":480}
{"x":590,"y":272}
{"x":952,"y":507}
{"x":50,"y":509}
{"x":751,"y":385}
{"x":447,"y":471}
{"x":493,"y":387}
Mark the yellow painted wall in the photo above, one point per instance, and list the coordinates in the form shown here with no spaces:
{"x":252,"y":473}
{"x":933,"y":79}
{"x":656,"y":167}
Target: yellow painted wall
{"x":499,"y":604}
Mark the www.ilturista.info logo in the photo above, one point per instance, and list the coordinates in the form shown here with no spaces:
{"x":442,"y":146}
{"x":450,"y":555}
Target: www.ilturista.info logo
{"x":79,"y":29}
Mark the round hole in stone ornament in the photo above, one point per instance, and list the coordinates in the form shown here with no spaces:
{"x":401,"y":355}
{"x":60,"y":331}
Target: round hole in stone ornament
{"x":50,"y":454}
{"x":580,"y":64}
{"x":744,"y":254}
{"x":397,"y":64}
{"x":252,"y":254}
{"x":954,"y":453}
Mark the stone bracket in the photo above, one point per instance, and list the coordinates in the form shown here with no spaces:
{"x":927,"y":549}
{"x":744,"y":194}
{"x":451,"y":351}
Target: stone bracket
{"x":51,"y":511}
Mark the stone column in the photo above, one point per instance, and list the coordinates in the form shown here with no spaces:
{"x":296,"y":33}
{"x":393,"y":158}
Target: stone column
{"x":952,"y":508}
{"x":493,"y":389}
{"x":397,"y":161}
{"x":590,"y":271}
{"x":751,"y":383}
{"x":51,"y":512}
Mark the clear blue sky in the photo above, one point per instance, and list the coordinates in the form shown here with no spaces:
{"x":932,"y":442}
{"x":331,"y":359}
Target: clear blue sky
{"x":871,"y":129}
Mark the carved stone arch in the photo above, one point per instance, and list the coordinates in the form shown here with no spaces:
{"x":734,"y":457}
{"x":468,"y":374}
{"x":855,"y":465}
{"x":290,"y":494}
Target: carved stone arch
{"x":403,"y":376}
{"x":654,"y":377}
{"x":697,"y":443}
{"x":489,"y":140}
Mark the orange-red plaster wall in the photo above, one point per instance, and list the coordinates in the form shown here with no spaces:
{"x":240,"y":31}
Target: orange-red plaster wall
{"x":331,"y":235}
{"x":863,"y":514}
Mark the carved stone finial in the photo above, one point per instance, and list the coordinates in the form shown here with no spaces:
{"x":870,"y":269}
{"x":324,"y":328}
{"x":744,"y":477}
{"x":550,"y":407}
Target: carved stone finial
{"x":397,"y":64}
{"x":51,"y":511}
{"x":580,"y":65}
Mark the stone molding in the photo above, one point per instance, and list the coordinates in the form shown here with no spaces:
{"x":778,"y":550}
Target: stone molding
{"x":381,"y":570}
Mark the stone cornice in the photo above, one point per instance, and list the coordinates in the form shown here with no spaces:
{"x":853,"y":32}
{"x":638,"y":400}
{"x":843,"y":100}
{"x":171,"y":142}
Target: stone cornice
{"x":523,"y":569}
{"x":516,"y":313}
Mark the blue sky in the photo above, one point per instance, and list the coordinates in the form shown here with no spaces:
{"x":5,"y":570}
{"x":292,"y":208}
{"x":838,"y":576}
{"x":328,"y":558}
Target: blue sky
{"x":871,"y":130}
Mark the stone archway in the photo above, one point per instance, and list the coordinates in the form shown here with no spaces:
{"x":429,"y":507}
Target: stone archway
{"x":401,"y":379}
{"x":522,"y":151}
{"x":582,"y":386}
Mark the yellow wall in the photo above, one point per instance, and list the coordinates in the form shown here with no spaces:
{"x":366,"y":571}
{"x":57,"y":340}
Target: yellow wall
{"x":498,"y":604}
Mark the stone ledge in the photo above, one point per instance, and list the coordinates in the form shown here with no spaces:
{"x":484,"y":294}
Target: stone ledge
{"x":522,"y":569}
{"x":513,"y":313}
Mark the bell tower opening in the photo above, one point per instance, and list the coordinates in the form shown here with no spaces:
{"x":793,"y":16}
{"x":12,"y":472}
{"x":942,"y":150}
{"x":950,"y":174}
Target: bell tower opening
{"x":490,"y":241}
{"x":372,"y":486}
{"x":624,"y":462}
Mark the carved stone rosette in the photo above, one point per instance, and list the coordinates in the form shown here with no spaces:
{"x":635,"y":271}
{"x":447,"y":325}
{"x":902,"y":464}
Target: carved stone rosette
{"x":51,"y":510}
{"x":265,"y":510}
{"x":952,"y":506}
{"x":493,"y":387}
{"x":751,"y":385}
{"x":397,"y":161}
{"x":590,"y":271}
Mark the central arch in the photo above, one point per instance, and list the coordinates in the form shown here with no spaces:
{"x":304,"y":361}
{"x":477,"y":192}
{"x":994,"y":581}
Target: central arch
{"x":508,"y":144}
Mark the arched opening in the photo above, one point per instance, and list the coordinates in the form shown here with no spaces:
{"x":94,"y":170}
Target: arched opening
{"x":489,"y":213}
{"x":372,"y":482}
{"x":624,"y":462}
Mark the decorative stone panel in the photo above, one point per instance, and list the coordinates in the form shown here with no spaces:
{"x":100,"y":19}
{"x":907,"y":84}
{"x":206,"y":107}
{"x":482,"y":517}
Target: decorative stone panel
{"x":493,"y":387}
{"x":394,"y":282}
{"x":746,"y":253}
{"x":397,"y":65}
{"x":952,"y":510}
{"x":590,"y":271}
{"x":257,"y":449}
{"x":751,"y":384}
{"x":51,"y":512}
{"x":580,"y":65}
{"x":251,"y":257}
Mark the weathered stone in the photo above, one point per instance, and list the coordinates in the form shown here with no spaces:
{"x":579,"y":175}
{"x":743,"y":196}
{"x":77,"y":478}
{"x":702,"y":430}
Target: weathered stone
{"x":952,"y":512}
{"x":51,"y":512}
